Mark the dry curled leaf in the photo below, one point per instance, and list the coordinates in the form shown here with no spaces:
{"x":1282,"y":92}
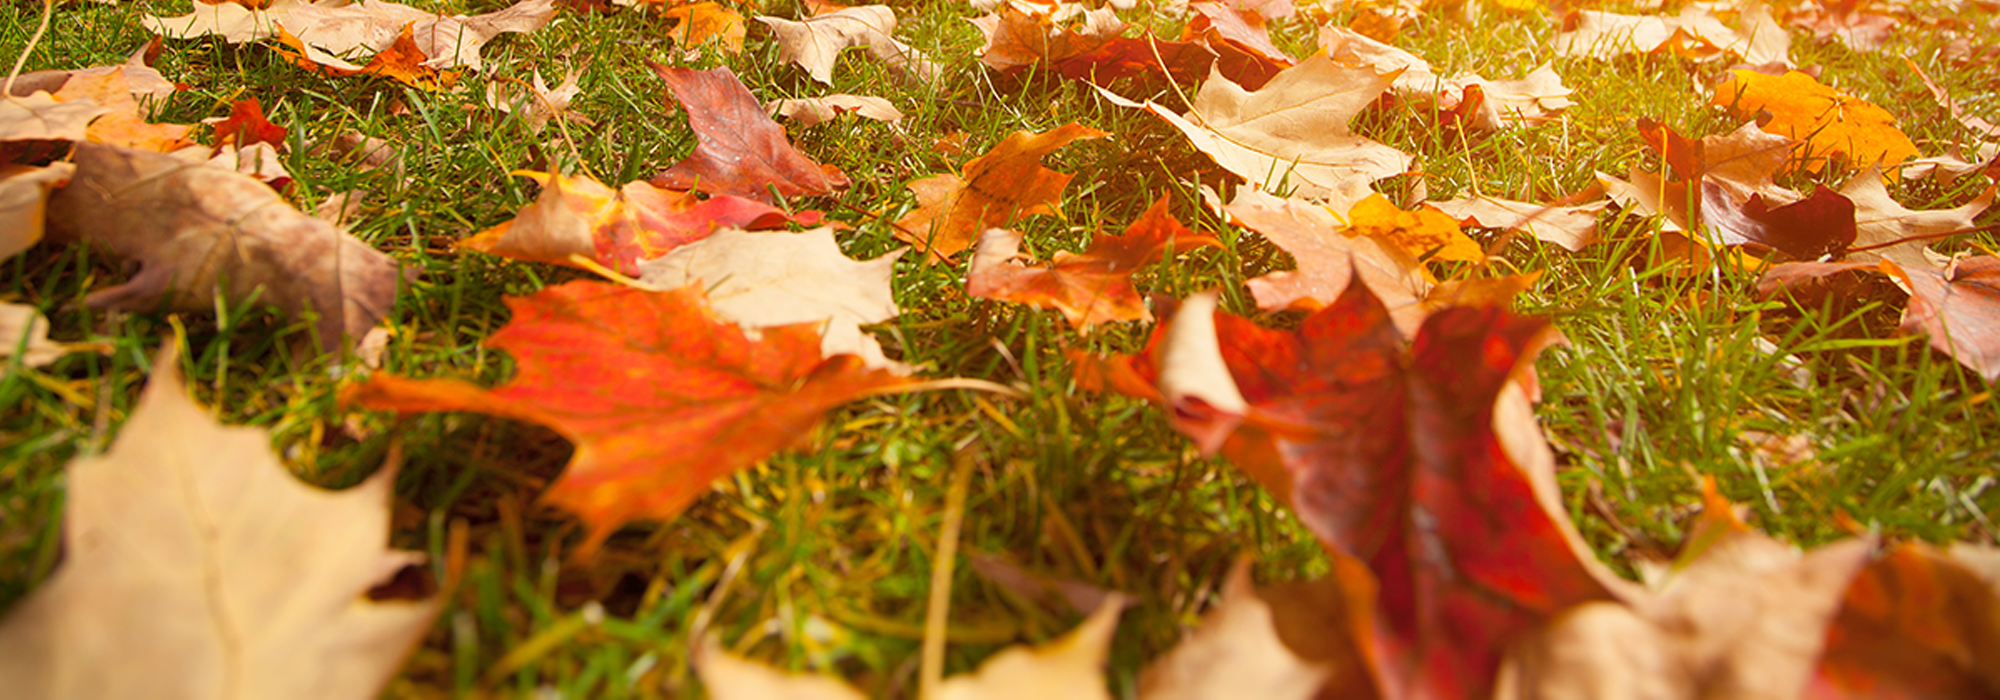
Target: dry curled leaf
{"x":579,"y":216}
{"x":1091,"y":288}
{"x":195,"y":566}
{"x":200,"y":232}
{"x":741,"y":151}
{"x":815,"y":43}
{"x":991,"y":191}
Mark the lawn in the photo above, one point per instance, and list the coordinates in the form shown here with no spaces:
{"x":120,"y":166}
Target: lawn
{"x":1824,"y":423}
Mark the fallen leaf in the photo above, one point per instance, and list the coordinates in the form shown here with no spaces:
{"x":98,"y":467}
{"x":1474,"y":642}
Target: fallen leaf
{"x":1958,"y":308}
{"x":1820,"y":225}
{"x":1881,"y":221}
{"x":247,"y":125}
{"x":1829,"y":125}
{"x":1241,"y":41}
{"x":1422,"y":234}
{"x":24,"y":337}
{"x":660,"y":395}
{"x":1845,"y":21}
{"x":1948,"y":168}
{"x":1067,"y":668}
{"x":1091,"y":288}
{"x":1121,"y":58}
{"x":1696,"y":34}
{"x":1019,"y":35}
{"x":42,"y":117}
{"x":24,"y":199}
{"x":259,"y":161}
{"x":196,"y":566}
{"x":816,"y":42}
{"x":1914,"y":623}
{"x":1291,"y":135}
{"x":324,"y":33}
{"x":703,"y":22}
{"x":1393,"y":458}
{"x":1236,"y":653}
{"x":402,"y":62}
{"x":777,"y":278}
{"x":1471,"y":100}
{"x":1328,"y":255}
{"x":539,"y":104}
{"x":816,"y":110}
{"x":124,"y":123}
{"x":1571,"y":227}
{"x":991,"y":191}
{"x":200,"y":232}
{"x":618,"y":228}
{"x":740,"y":151}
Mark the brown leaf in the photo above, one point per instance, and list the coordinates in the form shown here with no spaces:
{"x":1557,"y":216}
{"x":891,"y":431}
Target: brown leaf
{"x":816,"y":110}
{"x":195,"y":566}
{"x":198,"y":232}
{"x":1328,"y":256}
{"x":539,"y":103}
{"x":1236,"y":653}
{"x":1007,"y":183}
{"x":24,"y":198}
{"x":1571,"y":227}
{"x":124,"y":124}
{"x":1914,"y":623}
{"x":1959,"y":309}
{"x":1696,"y":33}
{"x":741,"y":151}
{"x":1881,"y":220}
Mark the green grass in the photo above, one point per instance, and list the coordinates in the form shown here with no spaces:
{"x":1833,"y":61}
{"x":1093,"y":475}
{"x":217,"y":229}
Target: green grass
{"x":820,"y":559}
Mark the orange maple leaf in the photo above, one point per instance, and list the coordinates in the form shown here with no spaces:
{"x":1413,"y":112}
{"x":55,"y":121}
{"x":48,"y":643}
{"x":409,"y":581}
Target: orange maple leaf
{"x":1424,"y":234}
{"x":704,"y":22}
{"x":660,"y":396}
{"x":402,"y":62}
{"x":1007,"y":183}
{"x":247,"y":125}
{"x":1092,"y":288}
{"x":1829,"y":124}
{"x":125,"y":124}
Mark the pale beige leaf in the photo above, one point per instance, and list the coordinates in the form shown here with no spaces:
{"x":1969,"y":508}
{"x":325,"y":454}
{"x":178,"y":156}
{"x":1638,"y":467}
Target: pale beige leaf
{"x":1879,"y":219}
{"x":1292,"y":134}
{"x":1236,"y":653}
{"x":772,"y":278}
{"x":1695,"y":33}
{"x":24,"y":199}
{"x":196,"y":567}
{"x":1327,"y":259}
{"x":730,"y":677}
{"x":334,"y":31}
{"x":1951,"y":166}
{"x":1191,"y":364}
{"x":815,"y":42}
{"x":231,"y":22}
{"x":1069,"y":668}
{"x":260,"y":161}
{"x":539,"y":103}
{"x":199,"y":232}
{"x":41,"y":117}
{"x":24,"y":336}
{"x":815,"y":110}
{"x":1570,"y":227}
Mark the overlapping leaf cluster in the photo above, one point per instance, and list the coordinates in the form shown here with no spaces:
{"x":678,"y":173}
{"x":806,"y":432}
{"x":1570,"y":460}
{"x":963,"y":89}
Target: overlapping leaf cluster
{"x":1396,"y":419}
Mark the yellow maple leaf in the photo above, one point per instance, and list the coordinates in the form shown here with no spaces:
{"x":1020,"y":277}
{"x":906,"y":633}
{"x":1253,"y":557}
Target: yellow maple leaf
{"x":1424,"y":234}
{"x":704,"y":22}
{"x":1829,"y":125}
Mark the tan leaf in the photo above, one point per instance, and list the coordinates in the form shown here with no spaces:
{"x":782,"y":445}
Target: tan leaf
{"x":331,"y":31}
{"x":1236,"y":653}
{"x":1696,"y":33}
{"x":124,"y":121}
{"x":24,"y":336}
{"x":538,"y":103}
{"x":815,"y":42}
{"x":731,"y":677}
{"x":776,"y":278}
{"x":1531,"y":100}
{"x":41,"y":117}
{"x":195,"y":229}
{"x":815,"y":110}
{"x":1569,"y":227}
{"x":24,"y":198}
{"x":1005,"y":184}
{"x":1069,"y":668}
{"x":1879,"y":219}
{"x":1291,"y":135}
{"x":1328,"y":257}
{"x":195,"y":566}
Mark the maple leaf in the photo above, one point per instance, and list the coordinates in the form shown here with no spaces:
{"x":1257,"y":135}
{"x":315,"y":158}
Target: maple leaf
{"x":741,"y":151}
{"x":617,"y":228}
{"x":1571,"y":227}
{"x":1091,"y":288}
{"x":407,"y":44}
{"x":24,"y":198}
{"x":761,"y":280}
{"x":1070,"y":667}
{"x":660,"y":396}
{"x":401,"y":61}
{"x":703,"y":22}
{"x":1423,"y":234}
{"x":816,"y":110}
{"x":1845,"y":21}
{"x":1881,"y":221}
{"x":1120,"y":58}
{"x":539,"y":103}
{"x":42,"y":117}
{"x":1829,"y":125}
{"x":1696,"y":34}
{"x":1408,"y":461}
{"x":246,"y":125}
{"x":1722,"y":186}
{"x":1467,"y":99}
{"x":1957,"y":307}
{"x":1237,"y":652}
{"x":815,"y":42}
{"x":123,"y":124}
{"x":200,"y":232}
{"x":1245,"y":54}
{"x":991,"y":191}
{"x":1019,"y":35}
{"x":195,"y":566}
{"x":24,"y":338}
{"x":1328,"y":257}
{"x":1913,"y":623}
{"x":1292,"y":133}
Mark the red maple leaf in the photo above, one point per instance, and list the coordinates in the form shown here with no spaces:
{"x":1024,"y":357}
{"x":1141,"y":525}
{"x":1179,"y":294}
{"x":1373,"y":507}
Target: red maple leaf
{"x":1390,"y":456}
{"x":659,"y":395}
{"x":246,"y":125}
{"x":1091,"y":288}
{"x":742,"y":151}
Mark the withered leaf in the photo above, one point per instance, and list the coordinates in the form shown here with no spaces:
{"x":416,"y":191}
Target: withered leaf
{"x":742,"y":151}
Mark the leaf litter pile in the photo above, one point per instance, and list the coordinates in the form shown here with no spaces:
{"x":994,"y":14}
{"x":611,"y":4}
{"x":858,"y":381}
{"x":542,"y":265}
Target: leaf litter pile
{"x":1358,"y":356}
